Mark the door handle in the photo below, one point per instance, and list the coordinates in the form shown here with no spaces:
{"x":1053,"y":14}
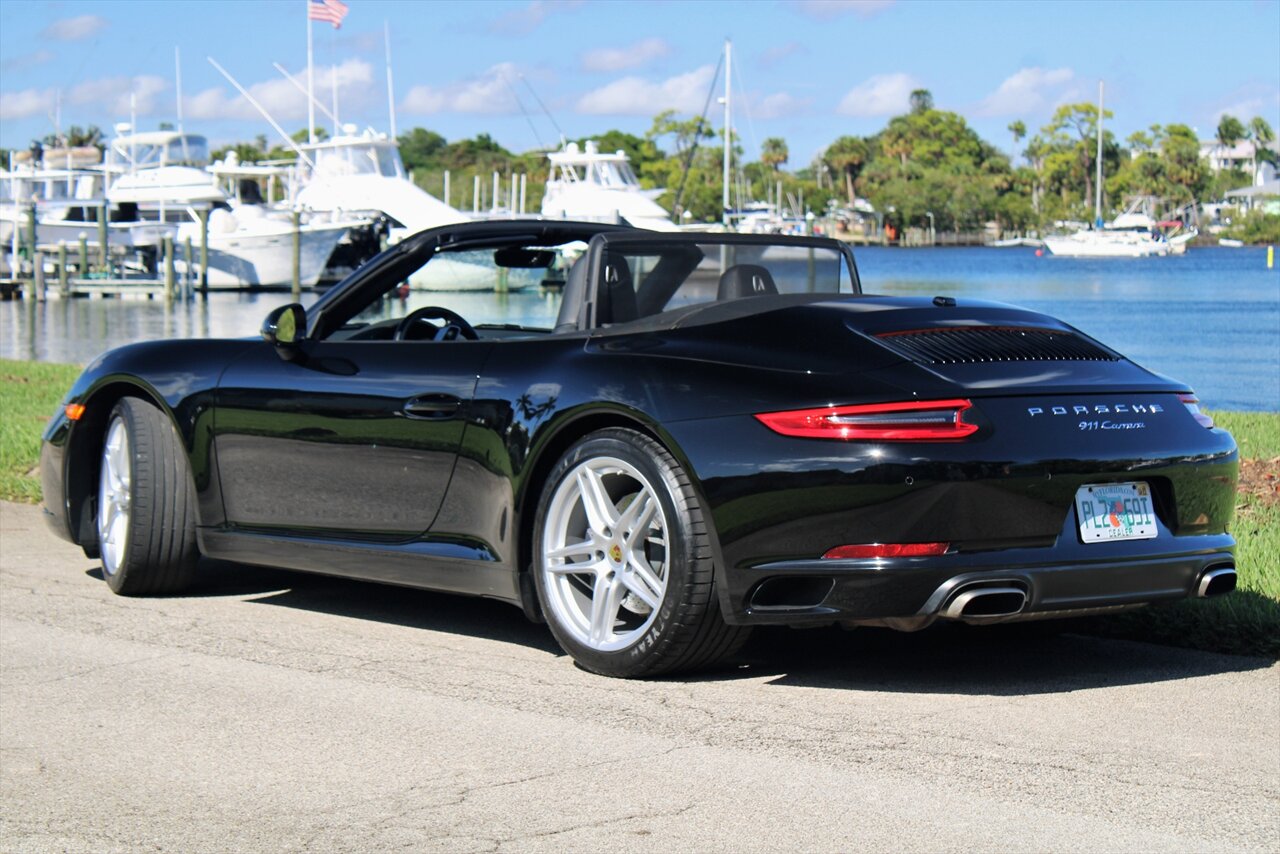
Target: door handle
{"x":432,"y":406}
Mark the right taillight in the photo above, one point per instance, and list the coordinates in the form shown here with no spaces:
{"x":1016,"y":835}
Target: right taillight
{"x":908,"y":421}
{"x":1192,"y":403}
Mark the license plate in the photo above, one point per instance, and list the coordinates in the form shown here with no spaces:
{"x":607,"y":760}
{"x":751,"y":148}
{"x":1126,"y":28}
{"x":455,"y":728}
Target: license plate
{"x":1115,"y":511}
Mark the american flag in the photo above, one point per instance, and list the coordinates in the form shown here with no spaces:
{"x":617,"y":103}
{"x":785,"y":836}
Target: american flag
{"x":332,"y":11}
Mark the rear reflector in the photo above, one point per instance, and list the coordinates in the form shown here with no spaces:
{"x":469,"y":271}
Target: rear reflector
{"x":887,"y":550}
{"x":912,"y":421}
{"x":1192,"y":403}
{"x":74,"y":411}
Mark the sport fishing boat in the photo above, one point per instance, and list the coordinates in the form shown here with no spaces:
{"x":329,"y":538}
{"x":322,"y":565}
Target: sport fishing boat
{"x":590,"y":186}
{"x":162,"y":176}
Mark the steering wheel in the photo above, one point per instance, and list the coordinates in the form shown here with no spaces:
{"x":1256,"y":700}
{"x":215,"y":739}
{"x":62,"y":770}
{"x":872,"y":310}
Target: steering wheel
{"x":454,"y":325}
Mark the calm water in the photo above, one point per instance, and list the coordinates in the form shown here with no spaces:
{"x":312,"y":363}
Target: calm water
{"x":1210,"y":318}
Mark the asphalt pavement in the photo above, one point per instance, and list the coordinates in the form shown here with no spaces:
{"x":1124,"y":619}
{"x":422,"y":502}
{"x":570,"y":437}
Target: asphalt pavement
{"x":274,"y":711}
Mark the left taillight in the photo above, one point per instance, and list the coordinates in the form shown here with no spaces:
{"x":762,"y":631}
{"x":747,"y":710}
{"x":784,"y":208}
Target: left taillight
{"x":1192,"y":403}
{"x":908,"y":421}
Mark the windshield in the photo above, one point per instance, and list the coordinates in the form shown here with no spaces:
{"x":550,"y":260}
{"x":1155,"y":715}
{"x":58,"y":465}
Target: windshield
{"x":675,"y":275}
{"x":381,"y":160}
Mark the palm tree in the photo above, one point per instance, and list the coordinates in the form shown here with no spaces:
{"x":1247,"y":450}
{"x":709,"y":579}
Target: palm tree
{"x":1019,"y":130}
{"x":1230,"y":131}
{"x":1262,"y":135}
{"x":773,"y":152}
{"x":848,"y":154}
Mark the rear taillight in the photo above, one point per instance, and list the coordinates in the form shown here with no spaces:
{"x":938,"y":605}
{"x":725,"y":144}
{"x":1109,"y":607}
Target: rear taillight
{"x":912,"y":421}
{"x":1192,"y":403}
{"x":887,"y":550}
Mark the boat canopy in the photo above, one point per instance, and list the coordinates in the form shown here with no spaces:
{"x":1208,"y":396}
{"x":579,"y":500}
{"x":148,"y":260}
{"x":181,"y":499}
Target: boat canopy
{"x":366,"y":154}
{"x":159,"y":148}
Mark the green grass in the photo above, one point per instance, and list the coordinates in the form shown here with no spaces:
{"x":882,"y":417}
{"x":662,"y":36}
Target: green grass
{"x":1257,"y":433}
{"x":29,"y":394}
{"x":1246,"y":622}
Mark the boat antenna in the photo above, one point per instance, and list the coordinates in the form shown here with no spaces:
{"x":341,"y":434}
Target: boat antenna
{"x":1097,"y":195}
{"x":728,"y":126}
{"x":302,"y":89}
{"x":528,"y":118}
{"x":302,"y":155}
{"x":545,"y":111}
{"x":697,"y":135}
{"x":177,"y":85}
{"x":391,"y":97}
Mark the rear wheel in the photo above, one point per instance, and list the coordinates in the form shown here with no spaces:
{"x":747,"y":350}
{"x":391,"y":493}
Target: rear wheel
{"x":146,"y":503}
{"x":623,"y":565}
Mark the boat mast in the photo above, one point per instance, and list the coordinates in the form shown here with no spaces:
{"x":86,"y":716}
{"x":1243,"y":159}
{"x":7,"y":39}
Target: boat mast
{"x":311,"y":82}
{"x":1097,"y":192}
{"x":391,"y":96}
{"x":728,"y":128}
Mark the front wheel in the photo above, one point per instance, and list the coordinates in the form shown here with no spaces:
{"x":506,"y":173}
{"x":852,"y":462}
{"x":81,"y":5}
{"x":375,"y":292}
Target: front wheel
{"x":623,"y":564}
{"x":146,"y":503}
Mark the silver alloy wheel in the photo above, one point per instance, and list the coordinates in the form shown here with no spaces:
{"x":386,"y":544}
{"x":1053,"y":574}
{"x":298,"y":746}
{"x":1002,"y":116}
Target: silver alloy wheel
{"x":604,"y":563}
{"x":113,"y":497}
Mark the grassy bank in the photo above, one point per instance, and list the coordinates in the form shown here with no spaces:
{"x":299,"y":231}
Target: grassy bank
{"x":29,"y":393}
{"x":1246,"y":622}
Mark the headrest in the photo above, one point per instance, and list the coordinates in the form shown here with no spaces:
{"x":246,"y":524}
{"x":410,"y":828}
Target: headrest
{"x":617,"y":300}
{"x":745,"y":280}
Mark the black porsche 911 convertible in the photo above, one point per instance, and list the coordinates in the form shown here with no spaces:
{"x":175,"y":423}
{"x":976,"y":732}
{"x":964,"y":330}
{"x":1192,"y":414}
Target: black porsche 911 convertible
{"x":720,"y":431}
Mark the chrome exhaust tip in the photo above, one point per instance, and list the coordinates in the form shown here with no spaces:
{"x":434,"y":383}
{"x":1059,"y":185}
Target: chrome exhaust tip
{"x":978,"y":603}
{"x":1216,"y":581}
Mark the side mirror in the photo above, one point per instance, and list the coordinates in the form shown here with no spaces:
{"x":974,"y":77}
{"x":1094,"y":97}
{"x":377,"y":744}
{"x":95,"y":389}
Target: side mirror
{"x":285,"y":328}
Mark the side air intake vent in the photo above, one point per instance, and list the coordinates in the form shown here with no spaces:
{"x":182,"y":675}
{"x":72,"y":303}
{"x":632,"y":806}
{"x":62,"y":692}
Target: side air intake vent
{"x":957,"y":345}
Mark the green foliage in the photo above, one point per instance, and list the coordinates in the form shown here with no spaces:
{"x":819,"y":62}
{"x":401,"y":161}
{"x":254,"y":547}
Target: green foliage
{"x":421,"y":149}
{"x":847,"y":156}
{"x":74,"y":137}
{"x":773,"y":152}
{"x":1230,"y":130}
{"x":1255,"y":227}
{"x":639,"y":150}
{"x":921,"y":101}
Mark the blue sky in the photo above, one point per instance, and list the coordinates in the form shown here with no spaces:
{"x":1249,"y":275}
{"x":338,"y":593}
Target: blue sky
{"x":806,"y":71}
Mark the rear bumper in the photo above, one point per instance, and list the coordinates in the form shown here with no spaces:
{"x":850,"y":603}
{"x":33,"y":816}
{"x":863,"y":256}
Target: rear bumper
{"x":1067,"y":577}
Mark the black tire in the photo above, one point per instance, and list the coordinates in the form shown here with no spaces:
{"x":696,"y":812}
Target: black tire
{"x":159,"y":552}
{"x":688,"y":631}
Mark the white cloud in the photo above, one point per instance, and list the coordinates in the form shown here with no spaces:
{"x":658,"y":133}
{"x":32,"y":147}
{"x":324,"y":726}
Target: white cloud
{"x":27,"y":60}
{"x":778,"y":105}
{"x":111,"y":95}
{"x":74,"y":29}
{"x":1026,"y":90}
{"x":284,"y":101}
{"x":26,"y":103}
{"x":489,"y":92}
{"x":636,"y":96}
{"x":826,"y":10}
{"x":528,"y":18}
{"x":622,"y":58}
{"x":881,"y":95}
{"x":1248,"y":108}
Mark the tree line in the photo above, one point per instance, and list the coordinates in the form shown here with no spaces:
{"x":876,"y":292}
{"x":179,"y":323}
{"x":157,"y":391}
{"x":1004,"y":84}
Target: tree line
{"x":925,"y":162}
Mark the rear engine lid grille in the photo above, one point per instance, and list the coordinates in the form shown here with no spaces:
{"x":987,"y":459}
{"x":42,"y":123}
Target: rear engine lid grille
{"x":959,"y":345}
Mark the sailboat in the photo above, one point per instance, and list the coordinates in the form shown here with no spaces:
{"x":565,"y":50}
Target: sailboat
{"x":1133,"y":234}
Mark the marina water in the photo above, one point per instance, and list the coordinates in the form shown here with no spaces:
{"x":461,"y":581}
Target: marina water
{"x":1210,"y":318}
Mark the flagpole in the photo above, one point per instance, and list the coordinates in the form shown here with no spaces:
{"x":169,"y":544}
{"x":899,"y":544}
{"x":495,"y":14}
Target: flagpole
{"x":333,"y":75}
{"x":311,"y":83}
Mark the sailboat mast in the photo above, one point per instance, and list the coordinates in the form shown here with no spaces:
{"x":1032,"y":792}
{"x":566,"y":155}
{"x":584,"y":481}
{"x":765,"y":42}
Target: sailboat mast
{"x":1097,"y":191}
{"x":728,"y":127}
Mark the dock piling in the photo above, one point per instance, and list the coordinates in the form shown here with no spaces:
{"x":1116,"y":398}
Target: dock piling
{"x":103,"y":256}
{"x":168,"y":270}
{"x":64,"y":280}
{"x":204,"y":250}
{"x":82,"y":269}
{"x":37,"y":258}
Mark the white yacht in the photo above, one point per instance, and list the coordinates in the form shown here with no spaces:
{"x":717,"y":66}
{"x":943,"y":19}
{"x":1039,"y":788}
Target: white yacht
{"x":588,"y":185}
{"x":363,"y":172}
{"x":65,"y":189}
{"x":162,"y":176}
